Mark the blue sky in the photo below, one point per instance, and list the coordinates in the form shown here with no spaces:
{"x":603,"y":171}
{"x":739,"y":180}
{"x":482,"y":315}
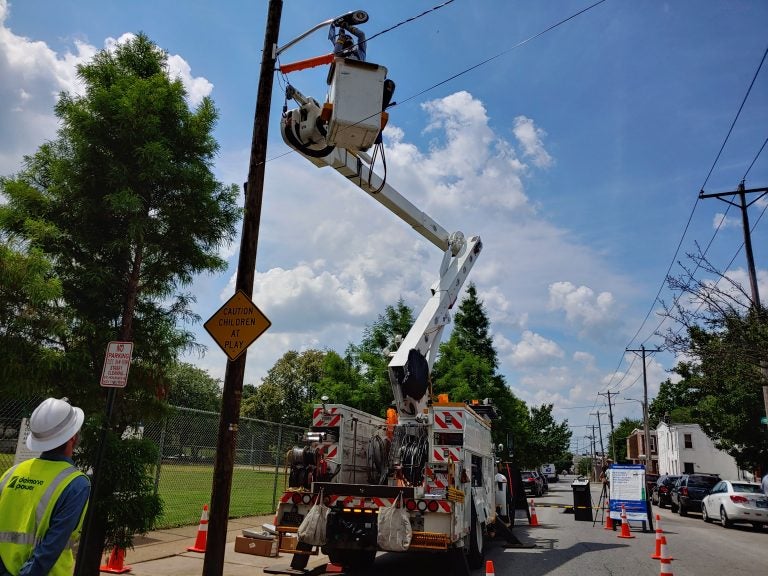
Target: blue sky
{"x":577,"y":157}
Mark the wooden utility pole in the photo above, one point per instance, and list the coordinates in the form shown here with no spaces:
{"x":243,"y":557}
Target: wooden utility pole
{"x":610,"y":416}
{"x":743,"y":205}
{"x":648,"y":459}
{"x":213,"y":565}
{"x":600,"y":431}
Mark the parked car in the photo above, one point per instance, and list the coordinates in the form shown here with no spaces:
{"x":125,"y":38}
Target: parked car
{"x":736,"y":502}
{"x":532,"y":482}
{"x":690,"y":490}
{"x":650,"y":481}
{"x":662,"y":490}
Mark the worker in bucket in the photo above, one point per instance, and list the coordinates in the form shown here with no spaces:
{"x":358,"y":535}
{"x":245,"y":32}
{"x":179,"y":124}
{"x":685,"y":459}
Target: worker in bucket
{"x":345,"y":47}
{"x":43,"y":500}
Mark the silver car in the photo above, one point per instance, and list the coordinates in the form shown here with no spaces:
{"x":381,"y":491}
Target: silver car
{"x":736,"y":502}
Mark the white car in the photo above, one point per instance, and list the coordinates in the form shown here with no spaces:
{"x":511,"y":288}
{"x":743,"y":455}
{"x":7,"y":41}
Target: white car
{"x":736,"y":502}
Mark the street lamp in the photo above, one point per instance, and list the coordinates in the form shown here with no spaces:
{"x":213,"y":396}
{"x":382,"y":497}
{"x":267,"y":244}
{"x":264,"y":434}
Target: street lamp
{"x":648,"y":460}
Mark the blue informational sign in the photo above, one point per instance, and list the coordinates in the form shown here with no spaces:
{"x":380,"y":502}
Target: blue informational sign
{"x":627,"y":488}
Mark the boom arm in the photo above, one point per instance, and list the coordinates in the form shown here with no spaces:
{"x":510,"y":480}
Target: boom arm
{"x":302,"y":130}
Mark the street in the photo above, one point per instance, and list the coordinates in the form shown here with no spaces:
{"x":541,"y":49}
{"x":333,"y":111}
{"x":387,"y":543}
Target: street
{"x":565,"y":547}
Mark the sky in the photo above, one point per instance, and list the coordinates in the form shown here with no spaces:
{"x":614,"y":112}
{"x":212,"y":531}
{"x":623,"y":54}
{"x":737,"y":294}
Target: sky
{"x":576,"y":152}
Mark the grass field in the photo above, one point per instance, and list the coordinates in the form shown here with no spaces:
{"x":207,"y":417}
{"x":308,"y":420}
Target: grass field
{"x":185,"y":488}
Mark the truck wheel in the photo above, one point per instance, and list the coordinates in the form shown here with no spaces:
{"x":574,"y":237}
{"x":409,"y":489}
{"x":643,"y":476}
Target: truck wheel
{"x":476,"y":556}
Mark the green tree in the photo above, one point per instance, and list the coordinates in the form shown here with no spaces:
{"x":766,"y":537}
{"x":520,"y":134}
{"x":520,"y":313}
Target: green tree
{"x":726,"y":337}
{"x":547,"y":441}
{"x":30,"y":319}
{"x":288,"y":389}
{"x":125,"y":206}
{"x":370,"y":358}
{"x":620,"y":435}
{"x":466,"y":369}
{"x":193,"y":387}
{"x":677,"y":400}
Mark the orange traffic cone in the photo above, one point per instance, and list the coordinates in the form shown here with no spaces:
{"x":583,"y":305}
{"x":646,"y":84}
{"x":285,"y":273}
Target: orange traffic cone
{"x":665,"y":567}
{"x":624,"y":524}
{"x":115,"y":562}
{"x":534,"y":518}
{"x":489,"y":570}
{"x":659,"y":536}
{"x":608,"y":520}
{"x":202,"y":532}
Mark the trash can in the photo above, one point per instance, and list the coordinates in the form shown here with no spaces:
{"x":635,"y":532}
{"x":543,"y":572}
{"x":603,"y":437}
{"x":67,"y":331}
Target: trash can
{"x":582,"y":500}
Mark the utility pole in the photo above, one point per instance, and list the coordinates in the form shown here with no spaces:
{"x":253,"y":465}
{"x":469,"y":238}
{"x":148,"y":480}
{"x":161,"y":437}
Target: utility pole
{"x":648,"y":459}
{"x":610,"y":416}
{"x":600,"y":431}
{"x":743,"y":205}
{"x":213,"y":564}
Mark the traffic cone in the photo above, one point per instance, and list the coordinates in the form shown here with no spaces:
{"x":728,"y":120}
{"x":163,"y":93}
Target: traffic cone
{"x":665,"y":567}
{"x":489,"y":570}
{"x":534,"y":518}
{"x":115,"y":562}
{"x":608,"y":521}
{"x":202,"y":532}
{"x":659,"y":535}
{"x":624,"y":524}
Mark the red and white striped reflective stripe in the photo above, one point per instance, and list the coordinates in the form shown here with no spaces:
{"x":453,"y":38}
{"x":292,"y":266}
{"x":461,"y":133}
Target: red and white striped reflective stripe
{"x":286,"y":497}
{"x":445,"y":454}
{"x":439,"y":481}
{"x":449,"y":420}
{"x":445,"y":506}
{"x":327,"y":417}
{"x":331,"y":451}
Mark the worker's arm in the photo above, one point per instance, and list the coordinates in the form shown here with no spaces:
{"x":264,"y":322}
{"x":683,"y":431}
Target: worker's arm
{"x":361,"y":46}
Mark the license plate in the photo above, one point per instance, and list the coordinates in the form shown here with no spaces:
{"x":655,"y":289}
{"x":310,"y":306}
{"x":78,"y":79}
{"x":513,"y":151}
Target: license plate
{"x":292,"y":519}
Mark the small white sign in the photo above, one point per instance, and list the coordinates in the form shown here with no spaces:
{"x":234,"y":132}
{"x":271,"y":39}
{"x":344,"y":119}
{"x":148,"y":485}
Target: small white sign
{"x":22,"y":452}
{"x":117,"y":362}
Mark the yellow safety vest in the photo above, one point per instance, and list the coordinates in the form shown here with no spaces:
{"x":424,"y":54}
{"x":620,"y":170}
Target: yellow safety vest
{"x":28,"y":493}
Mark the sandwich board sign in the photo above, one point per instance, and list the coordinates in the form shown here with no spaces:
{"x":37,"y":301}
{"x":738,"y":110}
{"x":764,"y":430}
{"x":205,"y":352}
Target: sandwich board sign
{"x":237,"y":324}
{"x":117,"y":362}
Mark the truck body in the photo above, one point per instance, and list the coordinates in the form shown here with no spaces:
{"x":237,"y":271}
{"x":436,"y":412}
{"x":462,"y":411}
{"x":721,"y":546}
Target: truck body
{"x":435,"y":457}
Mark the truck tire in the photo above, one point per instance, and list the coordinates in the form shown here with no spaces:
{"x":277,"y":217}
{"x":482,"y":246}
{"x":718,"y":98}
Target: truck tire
{"x":352,"y":559}
{"x":476,"y":556}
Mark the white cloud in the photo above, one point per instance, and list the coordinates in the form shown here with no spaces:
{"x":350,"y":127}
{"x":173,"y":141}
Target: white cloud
{"x":32,"y":77}
{"x":533,"y":349}
{"x":530,"y":138}
{"x":721,"y":221}
{"x":591,"y":313}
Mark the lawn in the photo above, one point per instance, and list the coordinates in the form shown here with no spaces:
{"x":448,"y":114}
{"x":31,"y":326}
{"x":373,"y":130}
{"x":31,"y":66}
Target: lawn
{"x":186,"y":488}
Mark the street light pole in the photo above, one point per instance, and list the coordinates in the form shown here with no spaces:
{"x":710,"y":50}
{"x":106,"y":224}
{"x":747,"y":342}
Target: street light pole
{"x":648,"y":459}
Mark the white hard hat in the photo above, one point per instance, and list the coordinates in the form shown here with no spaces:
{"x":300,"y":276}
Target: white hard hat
{"x":52,"y":424}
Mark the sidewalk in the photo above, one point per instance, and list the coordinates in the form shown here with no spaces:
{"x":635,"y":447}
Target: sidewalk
{"x":164,"y":552}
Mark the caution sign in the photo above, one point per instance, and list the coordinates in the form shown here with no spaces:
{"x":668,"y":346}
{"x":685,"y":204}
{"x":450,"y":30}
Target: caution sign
{"x":237,"y":324}
{"x":117,"y":362}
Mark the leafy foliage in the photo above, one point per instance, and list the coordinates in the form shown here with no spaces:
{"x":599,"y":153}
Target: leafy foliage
{"x":620,"y":434}
{"x":118,"y":214}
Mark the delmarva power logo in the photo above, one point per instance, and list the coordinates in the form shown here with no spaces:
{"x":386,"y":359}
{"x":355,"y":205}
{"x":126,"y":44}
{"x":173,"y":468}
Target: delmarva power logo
{"x":23,"y":483}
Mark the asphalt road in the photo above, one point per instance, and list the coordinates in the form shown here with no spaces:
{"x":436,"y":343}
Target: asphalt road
{"x":566,"y":547}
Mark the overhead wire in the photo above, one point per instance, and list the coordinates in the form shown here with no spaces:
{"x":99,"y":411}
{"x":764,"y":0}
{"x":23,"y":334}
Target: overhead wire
{"x":695,"y":204}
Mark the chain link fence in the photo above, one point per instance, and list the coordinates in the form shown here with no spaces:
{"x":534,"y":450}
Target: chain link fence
{"x":186,"y":441}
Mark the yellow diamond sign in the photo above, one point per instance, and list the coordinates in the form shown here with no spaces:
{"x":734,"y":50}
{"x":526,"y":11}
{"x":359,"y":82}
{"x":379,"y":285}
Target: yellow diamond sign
{"x":237,"y":324}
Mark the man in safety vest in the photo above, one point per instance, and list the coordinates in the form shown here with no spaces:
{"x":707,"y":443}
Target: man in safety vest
{"x":43,"y":500}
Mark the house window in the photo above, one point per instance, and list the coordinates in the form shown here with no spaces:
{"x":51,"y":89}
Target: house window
{"x":688,"y":439}
{"x":653,"y":444}
{"x":688,"y":468}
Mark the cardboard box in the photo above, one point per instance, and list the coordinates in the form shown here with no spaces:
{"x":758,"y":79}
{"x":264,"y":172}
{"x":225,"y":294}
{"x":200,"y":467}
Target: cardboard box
{"x":257,"y":546}
{"x":288,"y":542}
